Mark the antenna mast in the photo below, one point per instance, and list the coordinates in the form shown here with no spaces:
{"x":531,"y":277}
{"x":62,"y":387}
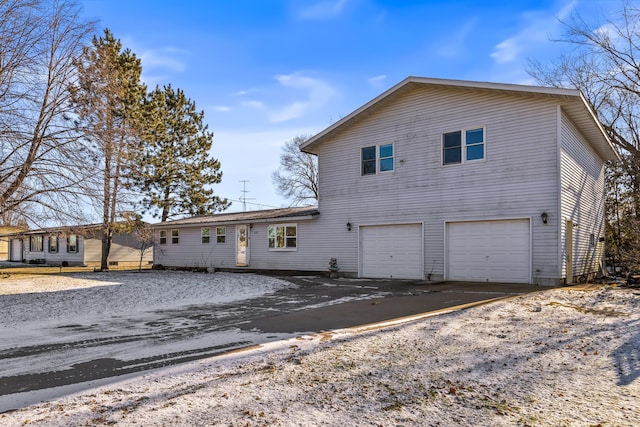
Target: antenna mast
{"x":244,"y":198}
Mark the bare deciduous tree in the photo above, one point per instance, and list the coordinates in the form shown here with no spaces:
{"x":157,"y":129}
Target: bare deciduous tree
{"x":297,"y":177}
{"x":41,"y":160}
{"x":604,"y":64}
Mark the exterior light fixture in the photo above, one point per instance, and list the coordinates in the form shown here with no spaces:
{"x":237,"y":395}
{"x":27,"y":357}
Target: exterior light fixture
{"x":545,"y":217}
{"x":349,"y":226}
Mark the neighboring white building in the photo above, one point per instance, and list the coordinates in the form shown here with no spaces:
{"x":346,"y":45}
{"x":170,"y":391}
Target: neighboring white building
{"x":433,"y":180}
{"x":73,"y":246}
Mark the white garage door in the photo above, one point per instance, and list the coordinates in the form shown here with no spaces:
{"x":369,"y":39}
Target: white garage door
{"x":489,"y":251}
{"x":391,"y":251}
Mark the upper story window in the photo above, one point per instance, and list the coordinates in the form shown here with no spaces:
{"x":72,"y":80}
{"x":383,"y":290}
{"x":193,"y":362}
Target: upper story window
{"x":463,"y":146}
{"x":175,"y":236}
{"x":221,"y":234}
{"x":283,"y":237}
{"x":35,"y":243}
{"x":53,"y":244}
{"x":163,"y":237}
{"x":205,"y":233}
{"x":72,"y":243}
{"x":377,"y":159}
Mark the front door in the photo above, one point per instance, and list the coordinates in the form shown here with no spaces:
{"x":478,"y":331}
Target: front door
{"x":242,"y":245}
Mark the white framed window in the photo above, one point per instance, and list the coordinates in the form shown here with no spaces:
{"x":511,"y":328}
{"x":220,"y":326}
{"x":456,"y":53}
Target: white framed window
{"x":221,"y":234}
{"x":72,"y":243}
{"x":377,"y":159}
{"x":163,"y":237}
{"x":36,"y":244}
{"x":53,"y":244}
{"x":283,"y":237}
{"x":462,"y":146}
{"x":175,"y":236}
{"x":205,"y":234}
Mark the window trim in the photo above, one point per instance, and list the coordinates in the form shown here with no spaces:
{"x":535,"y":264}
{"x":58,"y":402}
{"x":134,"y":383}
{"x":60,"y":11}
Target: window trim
{"x":162,"y":236}
{"x":55,"y":247}
{"x":285,"y":248}
{"x":175,"y":236}
{"x":378,"y":159}
{"x":464,"y":146}
{"x":206,"y":236}
{"x":221,"y":238}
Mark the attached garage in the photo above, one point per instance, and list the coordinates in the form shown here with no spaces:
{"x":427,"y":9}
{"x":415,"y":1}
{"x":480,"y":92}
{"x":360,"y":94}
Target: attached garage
{"x":392,"y":251}
{"x":489,"y":251}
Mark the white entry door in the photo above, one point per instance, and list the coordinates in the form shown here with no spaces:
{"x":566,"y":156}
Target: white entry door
{"x":489,"y":251}
{"x":15,"y":250}
{"x":392,"y":251}
{"x":242,"y":245}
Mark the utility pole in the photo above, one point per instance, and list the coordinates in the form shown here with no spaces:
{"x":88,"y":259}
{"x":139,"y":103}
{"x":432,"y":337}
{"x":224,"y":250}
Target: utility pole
{"x":244,"y":198}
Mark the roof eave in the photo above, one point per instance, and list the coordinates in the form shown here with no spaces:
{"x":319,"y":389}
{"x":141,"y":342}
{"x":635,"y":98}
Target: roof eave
{"x":237,"y":221}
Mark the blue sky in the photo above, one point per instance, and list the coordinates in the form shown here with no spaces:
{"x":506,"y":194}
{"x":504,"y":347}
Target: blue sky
{"x":265,"y":71}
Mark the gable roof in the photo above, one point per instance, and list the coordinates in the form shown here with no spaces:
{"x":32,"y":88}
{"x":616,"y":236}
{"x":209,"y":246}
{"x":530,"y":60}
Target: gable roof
{"x":270,"y":215}
{"x":572,"y":101}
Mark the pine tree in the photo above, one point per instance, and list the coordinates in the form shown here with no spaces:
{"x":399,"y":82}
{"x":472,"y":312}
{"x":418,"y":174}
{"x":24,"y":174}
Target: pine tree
{"x":177,"y":169}
{"x":108,"y":101}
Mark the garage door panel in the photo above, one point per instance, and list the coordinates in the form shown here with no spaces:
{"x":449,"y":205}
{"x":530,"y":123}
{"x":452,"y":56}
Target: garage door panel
{"x":495,"y":251}
{"x":391,"y":251}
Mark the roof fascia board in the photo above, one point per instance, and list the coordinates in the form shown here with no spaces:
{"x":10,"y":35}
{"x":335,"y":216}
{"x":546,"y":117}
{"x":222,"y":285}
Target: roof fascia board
{"x":233,"y":222}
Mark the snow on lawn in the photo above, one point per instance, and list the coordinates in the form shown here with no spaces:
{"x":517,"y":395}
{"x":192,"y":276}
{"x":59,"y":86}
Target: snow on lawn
{"x":554,"y":358}
{"x":71,"y":296}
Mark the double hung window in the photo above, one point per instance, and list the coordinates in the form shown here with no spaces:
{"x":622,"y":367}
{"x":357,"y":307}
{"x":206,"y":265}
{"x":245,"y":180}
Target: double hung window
{"x":35,"y":244}
{"x":221,"y":234}
{"x":163,"y":237}
{"x":72,"y":243}
{"x":205,"y":233}
{"x":53,"y":244}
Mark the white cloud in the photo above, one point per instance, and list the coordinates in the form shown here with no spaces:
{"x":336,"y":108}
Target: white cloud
{"x":222,"y":108}
{"x":166,"y":59}
{"x":378,"y":81}
{"x":537,"y":29}
{"x":323,"y":10}
{"x":318,"y":94}
{"x":258,"y":105}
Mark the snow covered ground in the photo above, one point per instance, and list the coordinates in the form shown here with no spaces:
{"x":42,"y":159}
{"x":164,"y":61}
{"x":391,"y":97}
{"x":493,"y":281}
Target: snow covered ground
{"x":553,"y":358}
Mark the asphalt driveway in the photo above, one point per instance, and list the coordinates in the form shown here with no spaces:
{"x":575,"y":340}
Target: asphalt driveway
{"x":397,"y":299}
{"x":198,"y":331}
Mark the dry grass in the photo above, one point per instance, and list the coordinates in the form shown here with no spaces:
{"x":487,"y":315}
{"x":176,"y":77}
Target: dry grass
{"x":24,"y":271}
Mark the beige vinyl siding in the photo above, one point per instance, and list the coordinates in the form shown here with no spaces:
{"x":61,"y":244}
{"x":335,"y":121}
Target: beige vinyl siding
{"x":518,"y":178}
{"x":124,"y":251}
{"x":582,"y":186}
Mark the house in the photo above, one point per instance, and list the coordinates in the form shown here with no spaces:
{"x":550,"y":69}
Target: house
{"x":434,"y":180}
{"x":73,"y":246}
{"x":4,"y":241}
{"x":237,"y":240}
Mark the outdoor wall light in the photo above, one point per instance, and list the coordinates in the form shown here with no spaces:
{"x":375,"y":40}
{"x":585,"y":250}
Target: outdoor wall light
{"x":349,"y":226}
{"x":545,"y":217}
